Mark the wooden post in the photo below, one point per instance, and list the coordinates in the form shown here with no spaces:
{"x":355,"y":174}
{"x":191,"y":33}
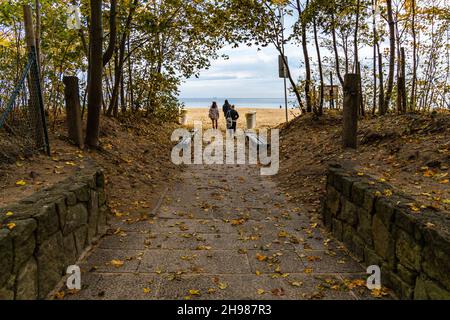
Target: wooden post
{"x":350,"y":110}
{"x":29,"y":31}
{"x":73,"y":110}
{"x":38,"y":35}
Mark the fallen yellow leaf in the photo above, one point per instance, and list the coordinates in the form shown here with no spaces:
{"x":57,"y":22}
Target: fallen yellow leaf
{"x":203,"y":248}
{"x":236,"y":222}
{"x":21,"y":183}
{"x":11,"y":225}
{"x":282,"y":234}
{"x":261,"y":257}
{"x":222,"y":285}
{"x":379,"y":293}
{"x":194,"y":292}
{"x":260,"y":291}
{"x":296,"y":283}
{"x":117,"y":263}
{"x":428,"y":173}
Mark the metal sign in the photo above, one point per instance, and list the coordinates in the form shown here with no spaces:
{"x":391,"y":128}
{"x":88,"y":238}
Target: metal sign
{"x":330,"y":92}
{"x":282,"y":70}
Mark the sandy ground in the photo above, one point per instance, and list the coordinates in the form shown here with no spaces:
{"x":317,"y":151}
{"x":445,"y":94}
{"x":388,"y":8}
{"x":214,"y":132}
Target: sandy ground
{"x":264,"y":117}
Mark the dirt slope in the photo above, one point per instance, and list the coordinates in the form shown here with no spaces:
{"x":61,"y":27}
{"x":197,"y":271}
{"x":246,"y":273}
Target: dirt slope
{"x":411,"y":152}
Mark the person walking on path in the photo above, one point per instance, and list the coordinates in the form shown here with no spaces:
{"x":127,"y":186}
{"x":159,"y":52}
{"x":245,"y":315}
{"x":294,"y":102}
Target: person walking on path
{"x":226,"y":107}
{"x":232,"y":118}
{"x":214,"y":115}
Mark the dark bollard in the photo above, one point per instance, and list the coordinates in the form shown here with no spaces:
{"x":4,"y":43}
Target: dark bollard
{"x":350,"y":111}
{"x":73,"y":110}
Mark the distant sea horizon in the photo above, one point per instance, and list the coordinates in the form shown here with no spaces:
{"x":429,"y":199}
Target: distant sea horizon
{"x":268,"y":103}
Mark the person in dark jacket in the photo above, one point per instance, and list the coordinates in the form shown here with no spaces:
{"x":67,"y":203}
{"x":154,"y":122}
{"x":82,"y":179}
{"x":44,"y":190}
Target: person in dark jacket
{"x":226,"y":107}
{"x":234,"y":115}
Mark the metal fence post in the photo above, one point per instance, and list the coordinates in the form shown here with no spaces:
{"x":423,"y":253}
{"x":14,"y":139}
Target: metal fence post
{"x":35,"y":88}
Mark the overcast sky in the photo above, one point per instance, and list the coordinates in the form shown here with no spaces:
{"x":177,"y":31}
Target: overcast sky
{"x":248,"y":73}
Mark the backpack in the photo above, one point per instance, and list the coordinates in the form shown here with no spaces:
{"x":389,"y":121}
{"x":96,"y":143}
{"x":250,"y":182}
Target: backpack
{"x":229,"y":120}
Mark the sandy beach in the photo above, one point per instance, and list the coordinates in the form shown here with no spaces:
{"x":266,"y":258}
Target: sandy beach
{"x":265,"y":118}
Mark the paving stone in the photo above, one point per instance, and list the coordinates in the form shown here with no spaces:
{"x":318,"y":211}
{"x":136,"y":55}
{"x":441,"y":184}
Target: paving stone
{"x":122,"y":286}
{"x":196,"y":261}
{"x":100,"y":260}
{"x":275,"y":261}
{"x":193,"y":225}
{"x":329,"y":262}
{"x":131,"y":240}
{"x":256,"y":287}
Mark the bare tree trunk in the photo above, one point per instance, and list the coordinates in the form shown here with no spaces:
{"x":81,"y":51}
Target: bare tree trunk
{"x":112,"y":33}
{"x":123,"y":106}
{"x":114,"y":102}
{"x":336,"y":54}
{"x":320,"y":111}
{"x":401,"y":85}
{"x":412,"y":103}
{"x":361,"y":97}
{"x":347,"y":69}
{"x":390,"y":84}
{"x":95,"y":92}
{"x":130,"y":77}
{"x":119,"y":75}
{"x":306,"y":56}
{"x":375,"y":41}
{"x":380,"y":75}
{"x":355,"y":40}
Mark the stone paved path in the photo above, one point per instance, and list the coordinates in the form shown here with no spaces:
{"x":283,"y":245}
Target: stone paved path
{"x":224,"y":232}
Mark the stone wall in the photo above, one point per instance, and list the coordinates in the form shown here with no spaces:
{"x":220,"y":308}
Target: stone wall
{"x":47,"y":232}
{"x":412,"y":248}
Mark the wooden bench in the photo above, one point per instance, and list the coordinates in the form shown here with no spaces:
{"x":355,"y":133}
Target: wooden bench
{"x":187,"y":141}
{"x":255,"y":139}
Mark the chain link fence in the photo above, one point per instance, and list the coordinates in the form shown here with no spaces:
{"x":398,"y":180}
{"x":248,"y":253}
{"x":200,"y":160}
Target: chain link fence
{"x":23,"y":129}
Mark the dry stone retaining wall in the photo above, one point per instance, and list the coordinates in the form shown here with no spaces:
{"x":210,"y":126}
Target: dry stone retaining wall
{"x":47,"y":232}
{"x":411,"y":248}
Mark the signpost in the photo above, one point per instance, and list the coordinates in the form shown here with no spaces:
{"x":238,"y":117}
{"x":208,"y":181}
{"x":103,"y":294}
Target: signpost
{"x":330,"y":92}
